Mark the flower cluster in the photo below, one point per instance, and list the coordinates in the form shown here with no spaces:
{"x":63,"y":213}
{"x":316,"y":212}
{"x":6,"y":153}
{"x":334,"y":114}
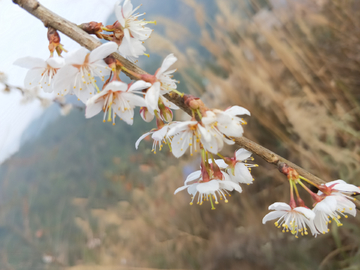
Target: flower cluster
{"x":333,"y":201}
{"x":206,"y":131}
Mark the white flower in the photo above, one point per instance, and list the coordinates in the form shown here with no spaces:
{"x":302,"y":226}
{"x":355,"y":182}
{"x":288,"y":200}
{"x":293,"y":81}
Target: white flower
{"x":130,"y":22}
{"x":159,"y":136}
{"x":134,"y":30}
{"x":81,"y":68}
{"x":208,"y":190}
{"x":164,"y":83}
{"x":336,"y":203}
{"x":117,"y":99}
{"x":295,"y":220}
{"x":41,"y":73}
{"x":239,"y":170}
{"x":191,"y":134}
{"x":226,"y":121}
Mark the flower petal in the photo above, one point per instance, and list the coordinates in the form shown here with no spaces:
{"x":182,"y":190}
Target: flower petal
{"x":102,"y":51}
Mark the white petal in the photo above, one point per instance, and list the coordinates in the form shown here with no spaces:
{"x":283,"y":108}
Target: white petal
{"x":180,"y":189}
{"x":134,"y":100}
{"x":141,"y":138}
{"x":208,"y":187}
{"x":243,"y":174}
{"x":93,"y":108}
{"x":308,"y":213}
{"x":228,"y":185}
{"x":193,"y":176}
{"x":168,"y":61}
{"x":237,"y":110}
{"x":102,"y":51}
{"x":56,"y":62}
{"x":118,"y":13}
{"x":139,"y":85}
{"x":273,"y":215}
{"x":160,"y":134}
{"x":242,"y":154}
{"x":76,"y":57}
{"x":127,"y":116}
{"x":33,"y":77}
{"x":152,"y":97}
{"x":30,"y":62}
{"x":127,"y":8}
{"x":180,"y":144}
{"x":280,"y":206}
{"x":180,"y":126}
{"x":116,"y":86}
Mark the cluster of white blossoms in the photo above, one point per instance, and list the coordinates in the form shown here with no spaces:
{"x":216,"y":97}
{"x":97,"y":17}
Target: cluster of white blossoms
{"x":333,"y":201}
{"x":206,"y":132}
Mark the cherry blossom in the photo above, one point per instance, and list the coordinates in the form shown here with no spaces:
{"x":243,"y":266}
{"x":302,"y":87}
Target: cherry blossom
{"x":163,"y":84}
{"x":227,"y":122}
{"x":192,"y":134}
{"x":208,"y":189}
{"x":41,"y":73}
{"x":336,"y":203}
{"x":78,"y":75}
{"x":158,"y":135}
{"x":296,"y":220}
{"x":117,"y":98}
{"x":237,"y":167}
{"x":134,"y":30}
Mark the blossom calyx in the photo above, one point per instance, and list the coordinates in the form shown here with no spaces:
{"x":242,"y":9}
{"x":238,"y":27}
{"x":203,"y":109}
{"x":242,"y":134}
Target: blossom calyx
{"x":291,"y":173}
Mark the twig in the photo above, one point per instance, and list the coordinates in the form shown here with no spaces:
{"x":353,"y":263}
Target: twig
{"x":72,"y":31}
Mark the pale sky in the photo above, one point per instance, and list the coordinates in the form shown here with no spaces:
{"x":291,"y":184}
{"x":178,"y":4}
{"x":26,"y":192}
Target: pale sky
{"x":24,"y":35}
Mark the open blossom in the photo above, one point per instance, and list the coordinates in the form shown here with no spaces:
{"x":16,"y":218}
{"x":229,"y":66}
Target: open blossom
{"x":41,"y":73}
{"x":134,"y":29}
{"x":296,"y":220}
{"x":78,"y":75}
{"x":336,"y":203}
{"x":159,"y":136}
{"x":117,"y":98}
{"x":237,"y":168}
{"x":227,"y":122}
{"x":208,"y":189}
{"x":192,"y":134}
{"x":162,"y":85}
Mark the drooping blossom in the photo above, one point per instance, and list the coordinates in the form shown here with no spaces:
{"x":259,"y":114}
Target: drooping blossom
{"x":117,"y":98}
{"x":237,"y":166}
{"x":158,"y":135}
{"x":336,"y":203}
{"x":41,"y":73}
{"x":162,"y":84}
{"x":133,"y":28}
{"x":227,"y":122}
{"x":199,"y":183}
{"x":78,"y":75}
{"x":296,"y":220}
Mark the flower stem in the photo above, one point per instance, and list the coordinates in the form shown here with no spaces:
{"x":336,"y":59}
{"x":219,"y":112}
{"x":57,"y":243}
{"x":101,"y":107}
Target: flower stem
{"x":199,"y":114}
{"x":220,"y":155}
{"x":313,"y":195}
{"x":177,"y":92}
{"x":138,"y":76}
{"x":310,"y":182}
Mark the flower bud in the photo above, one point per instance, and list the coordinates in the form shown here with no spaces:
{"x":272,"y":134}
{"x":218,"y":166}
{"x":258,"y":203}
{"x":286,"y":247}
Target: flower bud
{"x":91,"y":27}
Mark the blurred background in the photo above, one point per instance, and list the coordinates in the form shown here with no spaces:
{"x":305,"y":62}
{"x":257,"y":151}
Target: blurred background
{"x":77,"y":195}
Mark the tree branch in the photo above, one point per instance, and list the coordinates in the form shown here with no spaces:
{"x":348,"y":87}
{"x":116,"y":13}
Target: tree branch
{"x":72,"y":31}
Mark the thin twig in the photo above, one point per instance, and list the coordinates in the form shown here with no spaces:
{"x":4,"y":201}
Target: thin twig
{"x":72,"y":31}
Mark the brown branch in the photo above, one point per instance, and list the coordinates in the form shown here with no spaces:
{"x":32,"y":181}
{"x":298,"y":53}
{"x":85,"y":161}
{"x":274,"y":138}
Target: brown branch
{"x":72,"y":31}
